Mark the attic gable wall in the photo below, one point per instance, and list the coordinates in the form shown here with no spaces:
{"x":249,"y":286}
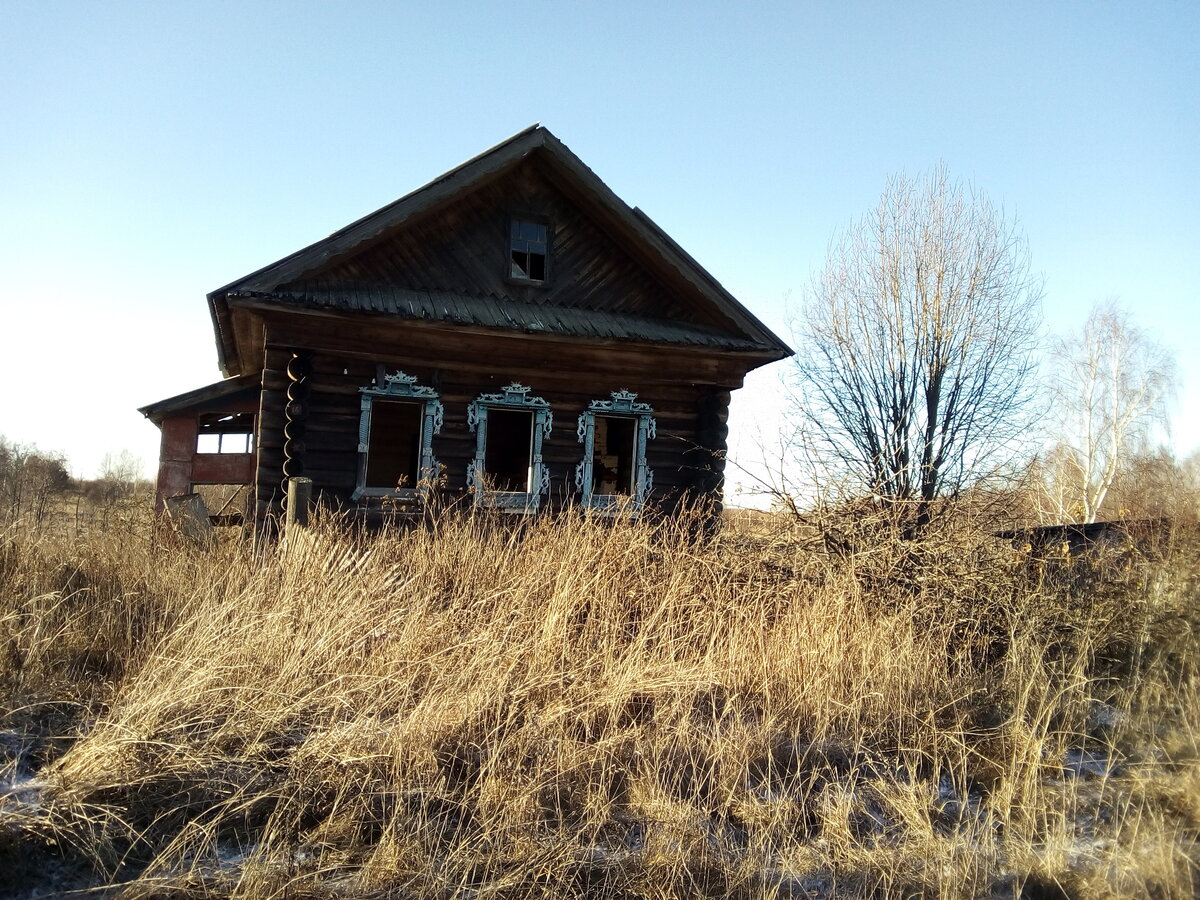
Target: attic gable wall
{"x":462,"y":247}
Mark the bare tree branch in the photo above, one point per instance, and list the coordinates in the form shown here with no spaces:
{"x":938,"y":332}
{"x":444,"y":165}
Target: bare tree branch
{"x":917,"y":342}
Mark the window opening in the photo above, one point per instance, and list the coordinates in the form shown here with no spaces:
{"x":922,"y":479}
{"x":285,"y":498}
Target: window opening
{"x":508,"y":472}
{"x":397,"y":423}
{"x":509,"y":450}
{"x":225,"y":433}
{"x":394,"y":444}
{"x":527,"y":249}
{"x":613,"y":473}
{"x":613,"y":455}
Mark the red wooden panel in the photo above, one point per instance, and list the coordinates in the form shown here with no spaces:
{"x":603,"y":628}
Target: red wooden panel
{"x":178,"y":437}
{"x":223,"y":468}
{"x":174,"y":478}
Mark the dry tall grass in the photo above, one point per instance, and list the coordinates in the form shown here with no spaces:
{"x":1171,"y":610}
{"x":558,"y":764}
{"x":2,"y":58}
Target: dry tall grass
{"x":592,"y":710}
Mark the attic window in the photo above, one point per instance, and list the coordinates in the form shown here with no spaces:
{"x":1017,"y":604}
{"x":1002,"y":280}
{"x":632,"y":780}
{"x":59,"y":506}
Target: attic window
{"x":225,"y":433}
{"x":527,"y":246}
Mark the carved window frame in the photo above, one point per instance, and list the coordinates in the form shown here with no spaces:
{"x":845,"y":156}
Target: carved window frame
{"x":404,"y":388}
{"x":622,"y":405}
{"x":513,"y":396}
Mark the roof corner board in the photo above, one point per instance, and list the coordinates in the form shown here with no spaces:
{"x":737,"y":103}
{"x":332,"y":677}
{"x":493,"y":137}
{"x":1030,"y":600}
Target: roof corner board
{"x":743,"y":316}
{"x":651,"y":235}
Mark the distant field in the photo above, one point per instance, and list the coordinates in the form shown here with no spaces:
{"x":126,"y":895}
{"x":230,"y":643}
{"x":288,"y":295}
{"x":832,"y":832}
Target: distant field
{"x":590,"y":710}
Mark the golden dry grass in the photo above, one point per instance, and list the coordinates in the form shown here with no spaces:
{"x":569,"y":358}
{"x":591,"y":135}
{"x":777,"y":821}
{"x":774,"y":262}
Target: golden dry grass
{"x":600,"y":710}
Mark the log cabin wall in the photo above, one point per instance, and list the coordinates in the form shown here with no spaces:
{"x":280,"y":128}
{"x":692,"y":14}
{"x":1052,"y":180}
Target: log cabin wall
{"x":686,"y":457}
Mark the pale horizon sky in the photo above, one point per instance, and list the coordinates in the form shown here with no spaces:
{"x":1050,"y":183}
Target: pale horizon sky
{"x":150,"y":153}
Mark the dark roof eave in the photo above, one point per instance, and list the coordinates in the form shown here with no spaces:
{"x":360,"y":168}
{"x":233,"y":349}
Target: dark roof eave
{"x":158,"y":411}
{"x":636,"y":330}
{"x":221,"y":325}
{"x":744,"y":318}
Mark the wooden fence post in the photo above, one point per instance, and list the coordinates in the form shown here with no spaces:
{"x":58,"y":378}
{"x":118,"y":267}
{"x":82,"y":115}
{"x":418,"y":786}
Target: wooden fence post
{"x":298,"y":500}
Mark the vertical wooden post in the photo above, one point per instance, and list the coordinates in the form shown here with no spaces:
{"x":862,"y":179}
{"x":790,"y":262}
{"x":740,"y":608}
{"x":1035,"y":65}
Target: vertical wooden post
{"x":298,"y":500}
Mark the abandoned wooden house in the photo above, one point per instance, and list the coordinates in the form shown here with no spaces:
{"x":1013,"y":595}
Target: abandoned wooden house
{"x":511,"y":333}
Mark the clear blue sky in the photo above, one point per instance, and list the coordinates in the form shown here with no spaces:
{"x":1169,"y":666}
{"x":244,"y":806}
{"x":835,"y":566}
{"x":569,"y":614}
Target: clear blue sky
{"x":150,"y":152}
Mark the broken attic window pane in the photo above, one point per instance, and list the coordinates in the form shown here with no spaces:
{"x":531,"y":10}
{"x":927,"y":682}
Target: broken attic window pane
{"x":614,"y":455}
{"x":527,"y":250}
{"x":509,"y":451}
{"x":225,"y":433}
{"x":394,"y":446}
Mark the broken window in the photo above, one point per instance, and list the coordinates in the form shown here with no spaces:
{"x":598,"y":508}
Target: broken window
{"x":528,"y":244}
{"x":225,"y":432}
{"x":508,"y":472}
{"x":395,"y":438}
{"x":613,"y":473}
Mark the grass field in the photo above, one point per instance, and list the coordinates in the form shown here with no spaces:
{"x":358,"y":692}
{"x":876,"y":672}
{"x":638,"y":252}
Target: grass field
{"x":597,"y":711}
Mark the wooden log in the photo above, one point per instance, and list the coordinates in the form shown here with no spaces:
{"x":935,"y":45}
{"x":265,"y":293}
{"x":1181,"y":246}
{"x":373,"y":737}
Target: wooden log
{"x":298,"y":502}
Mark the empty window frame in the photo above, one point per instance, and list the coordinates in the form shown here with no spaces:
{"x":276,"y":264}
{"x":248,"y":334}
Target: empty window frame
{"x":395,"y":438}
{"x":225,"y":432}
{"x":613,"y":473}
{"x":508,"y":472}
{"x":528,"y":250}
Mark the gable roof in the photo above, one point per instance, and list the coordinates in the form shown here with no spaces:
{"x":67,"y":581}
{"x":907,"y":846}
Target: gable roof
{"x":281,"y":282}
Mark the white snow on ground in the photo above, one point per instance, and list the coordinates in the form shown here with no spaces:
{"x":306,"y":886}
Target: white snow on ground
{"x":22,"y":790}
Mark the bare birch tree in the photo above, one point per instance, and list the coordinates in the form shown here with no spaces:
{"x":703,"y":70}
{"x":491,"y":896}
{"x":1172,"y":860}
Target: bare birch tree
{"x":917,"y":340}
{"x":1113,"y":385}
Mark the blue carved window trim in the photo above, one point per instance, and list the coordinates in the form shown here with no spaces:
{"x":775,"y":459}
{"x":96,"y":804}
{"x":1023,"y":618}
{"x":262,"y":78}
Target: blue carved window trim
{"x":622,"y":405}
{"x":404,"y":388}
{"x":513,"y":396}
